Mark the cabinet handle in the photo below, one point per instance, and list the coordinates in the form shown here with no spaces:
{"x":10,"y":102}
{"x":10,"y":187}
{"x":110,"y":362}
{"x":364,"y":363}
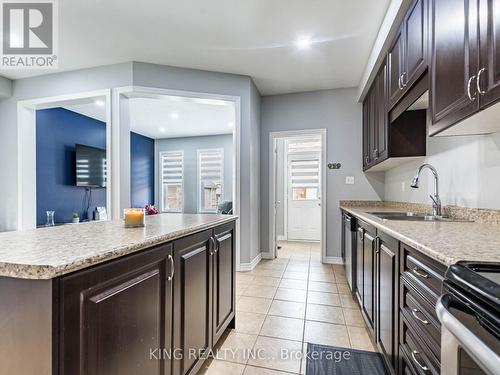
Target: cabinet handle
{"x":377,"y":244}
{"x":399,"y":83}
{"x":403,"y":80}
{"x":216,"y":245}
{"x":366,"y":160}
{"x":212,"y":246}
{"x":172,"y":268}
{"x":414,"y":357}
{"x":417,"y":272}
{"x":469,"y":83}
{"x":414,"y":313}
{"x":478,"y":82}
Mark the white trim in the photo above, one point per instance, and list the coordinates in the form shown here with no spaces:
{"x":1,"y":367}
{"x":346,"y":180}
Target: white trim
{"x":250,"y":266}
{"x":152,"y":92}
{"x":272,"y":183}
{"x":26,"y":151}
{"x":333,"y":260}
{"x":267,"y":255}
{"x":281,"y":238}
{"x":198,"y":177}
{"x":160,"y":180}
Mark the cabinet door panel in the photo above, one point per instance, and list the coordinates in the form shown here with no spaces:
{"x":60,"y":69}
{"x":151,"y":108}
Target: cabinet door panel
{"x":454,"y":62}
{"x":415,"y":37}
{"x":381,"y":151}
{"x":368,"y":274}
{"x":490,"y":51}
{"x":224,"y":281}
{"x":359,"y":266}
{"x":192,"y":301}
{"x":114,"y":314}
{"x":386,"y":297}
{"x":394,"y":66}
{"x":366,"y":132}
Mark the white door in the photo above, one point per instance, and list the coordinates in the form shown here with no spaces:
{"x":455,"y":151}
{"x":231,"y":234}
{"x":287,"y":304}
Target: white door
{"x":304,"y":190}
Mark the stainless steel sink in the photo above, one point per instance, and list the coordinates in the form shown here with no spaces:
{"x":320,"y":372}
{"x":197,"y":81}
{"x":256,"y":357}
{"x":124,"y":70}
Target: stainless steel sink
{"x":410,"y":216}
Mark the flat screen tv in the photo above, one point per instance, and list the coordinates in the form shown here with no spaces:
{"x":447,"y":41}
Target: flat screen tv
{"x":90,"y":166}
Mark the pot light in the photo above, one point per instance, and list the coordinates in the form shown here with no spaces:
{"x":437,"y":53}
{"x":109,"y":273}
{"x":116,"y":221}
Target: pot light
{"x":174,"y":115}
{"x":100,"y":103}
{"x":162,"y":130}
{"x":230,"y":124}
{"x":303,"y":42}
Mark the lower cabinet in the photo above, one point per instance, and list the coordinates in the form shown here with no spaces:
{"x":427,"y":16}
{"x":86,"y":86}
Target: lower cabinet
{"x":154,"y":312}
{"x":368,"y":276}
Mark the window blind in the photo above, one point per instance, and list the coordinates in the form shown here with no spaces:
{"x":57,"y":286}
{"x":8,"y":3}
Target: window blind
{"x":172,"y":167}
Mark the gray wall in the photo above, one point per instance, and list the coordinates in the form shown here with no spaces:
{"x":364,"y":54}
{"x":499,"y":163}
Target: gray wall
{"x":149,"y":75}
{"x":340,"y":114}
{"x":190,"y":146}
{"x":468,"y":167}
{"x":5,"y":87}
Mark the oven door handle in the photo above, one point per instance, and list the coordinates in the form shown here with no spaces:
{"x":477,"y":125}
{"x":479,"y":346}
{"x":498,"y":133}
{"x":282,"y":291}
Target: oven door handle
{"x":473,"y":345}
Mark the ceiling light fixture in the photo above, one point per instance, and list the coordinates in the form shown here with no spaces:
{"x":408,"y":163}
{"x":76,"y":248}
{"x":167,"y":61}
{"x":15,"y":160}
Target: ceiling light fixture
{"x":230,"y":124}
{"x":162,"y":130}
{"x":100,"y":103}
{"x":303,"y":42}
{"x":174,"y":115}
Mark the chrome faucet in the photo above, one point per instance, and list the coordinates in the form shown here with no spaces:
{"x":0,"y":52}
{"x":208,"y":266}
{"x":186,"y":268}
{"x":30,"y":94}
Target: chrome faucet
{"x":436,"y":201}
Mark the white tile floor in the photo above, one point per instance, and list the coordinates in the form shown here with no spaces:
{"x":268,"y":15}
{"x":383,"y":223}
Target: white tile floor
{"x":285,"y":303}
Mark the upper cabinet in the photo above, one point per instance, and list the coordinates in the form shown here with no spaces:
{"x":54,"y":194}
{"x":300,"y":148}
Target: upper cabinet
{"x":407,"y":55}
{"x":465,"y":66}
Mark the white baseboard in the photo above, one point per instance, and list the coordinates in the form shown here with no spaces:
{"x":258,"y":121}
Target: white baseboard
{"x":281,"y":238}
{"x":333,"y":260}
{"x":250,"y":266}
{"x":267,"y":255}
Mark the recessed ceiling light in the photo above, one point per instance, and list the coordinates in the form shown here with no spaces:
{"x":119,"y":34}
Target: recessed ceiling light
{"x":174,"y":115}
{"x":100,"y":103}
{"x":162,"y":130}
{"x":303,"y":42}
{"x":230,"y":124}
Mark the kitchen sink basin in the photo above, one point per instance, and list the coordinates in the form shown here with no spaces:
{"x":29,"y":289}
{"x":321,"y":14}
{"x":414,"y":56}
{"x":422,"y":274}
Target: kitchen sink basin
{"x":410,"y":216}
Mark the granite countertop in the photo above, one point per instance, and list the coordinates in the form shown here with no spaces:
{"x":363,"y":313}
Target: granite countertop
{"x":446,"y":242}
{"x":45,"y":253}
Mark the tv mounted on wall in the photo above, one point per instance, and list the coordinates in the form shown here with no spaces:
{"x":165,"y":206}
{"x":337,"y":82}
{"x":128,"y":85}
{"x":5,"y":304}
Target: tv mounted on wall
{"x":90,"y":166}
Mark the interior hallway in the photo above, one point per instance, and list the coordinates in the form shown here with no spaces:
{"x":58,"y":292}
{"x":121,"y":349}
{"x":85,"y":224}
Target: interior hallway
{"x":285,"y":303}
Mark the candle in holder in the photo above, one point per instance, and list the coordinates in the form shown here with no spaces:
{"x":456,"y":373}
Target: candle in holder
{"x":134,"y":217}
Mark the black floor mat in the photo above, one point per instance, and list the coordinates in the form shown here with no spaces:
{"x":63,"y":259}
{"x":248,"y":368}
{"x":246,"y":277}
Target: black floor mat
{"x":330,"y":360}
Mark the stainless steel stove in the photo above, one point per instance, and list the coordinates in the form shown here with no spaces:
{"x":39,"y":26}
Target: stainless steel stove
{"x":469,"y":311}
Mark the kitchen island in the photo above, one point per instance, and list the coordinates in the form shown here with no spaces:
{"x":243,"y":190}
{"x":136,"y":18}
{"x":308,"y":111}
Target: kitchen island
{"x":98,"y":298}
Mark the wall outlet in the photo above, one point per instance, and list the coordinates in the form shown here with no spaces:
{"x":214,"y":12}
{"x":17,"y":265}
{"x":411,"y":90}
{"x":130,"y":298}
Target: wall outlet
{"x":349,"y":180}
{"x":403,"y":186}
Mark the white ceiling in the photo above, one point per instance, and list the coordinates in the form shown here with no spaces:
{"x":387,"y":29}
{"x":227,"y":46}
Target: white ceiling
{"x":171,"y":116}
{"x":252,"y":37}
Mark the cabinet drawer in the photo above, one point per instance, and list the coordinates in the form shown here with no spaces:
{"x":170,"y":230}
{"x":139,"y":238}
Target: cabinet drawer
{"x":426,"y":274}
{"x":421,"y":314}
{"x":417,"y":352}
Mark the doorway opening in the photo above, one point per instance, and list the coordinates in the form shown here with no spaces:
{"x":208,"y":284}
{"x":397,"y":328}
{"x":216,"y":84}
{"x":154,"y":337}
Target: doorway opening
{"x":298,"y":202}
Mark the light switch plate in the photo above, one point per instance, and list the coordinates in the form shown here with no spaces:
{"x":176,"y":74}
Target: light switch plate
{"x":349,"y":180}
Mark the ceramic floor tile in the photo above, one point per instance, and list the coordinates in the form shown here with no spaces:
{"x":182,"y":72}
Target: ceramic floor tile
{"x":288,"y":309}
{"x":243,"y":277}
{"x":283,"y":328}
{"x":295,"y":275}
{"x":340,"y":279}
{"x":254,"y":304}
{"x":236,"y":347}
{"x":268,"y":272}
{"x":320,"y":286}
{"x":240,"y":289}
{"x":265,"y":281}
{"x":323,"y":313}
{"x":293,"y":284}
{"x":251,"y":370}
{"x":343,"y":289}
{"x":271,"y":354}
{"x":353,"y":317}
{"x":326,"y":277}
{"x":322,"y":298}
{"x":294,"y":295}
{"x":360,"y":339}
{"x":217,"y":367}
{"x":260,"y":291}
{"x":249,"y":322}
{"x":326,"y":334}
{"x":346,"y":300}
{"x":297,"y":268}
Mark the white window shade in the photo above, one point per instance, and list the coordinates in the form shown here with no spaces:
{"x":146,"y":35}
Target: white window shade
{"x":172,"y":180}
{"x":210,"y":179}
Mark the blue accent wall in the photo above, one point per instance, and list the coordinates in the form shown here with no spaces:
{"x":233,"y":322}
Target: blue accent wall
{"x":57,"y":132}
{"x":142,"y":170}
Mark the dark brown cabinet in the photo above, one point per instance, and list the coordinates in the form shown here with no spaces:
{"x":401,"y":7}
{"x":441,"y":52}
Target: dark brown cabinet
{"x":367,"y":296}
{"x":112,"y":315}
{"x":192,"y":303}
{"x":489,"y":70}
{"x":407,"y":55}
{"x":224,"y":299}
{"x":387,"y":310}
{"x":155,"y":312}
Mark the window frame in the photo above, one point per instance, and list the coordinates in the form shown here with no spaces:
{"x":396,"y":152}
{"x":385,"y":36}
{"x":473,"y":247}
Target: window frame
{"x":201,"y":199}
{"x":162,"y":184}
